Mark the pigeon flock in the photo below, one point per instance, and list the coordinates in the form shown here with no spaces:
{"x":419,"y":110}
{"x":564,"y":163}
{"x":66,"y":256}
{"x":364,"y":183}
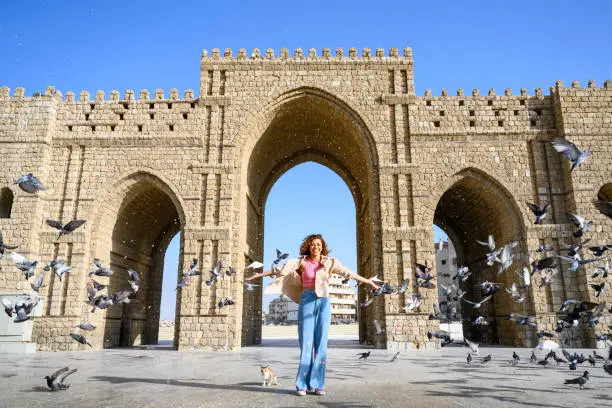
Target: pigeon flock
{"x":577,"y":313}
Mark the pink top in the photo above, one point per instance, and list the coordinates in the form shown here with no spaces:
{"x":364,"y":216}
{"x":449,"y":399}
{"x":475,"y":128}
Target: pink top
{"x":309,"y":273}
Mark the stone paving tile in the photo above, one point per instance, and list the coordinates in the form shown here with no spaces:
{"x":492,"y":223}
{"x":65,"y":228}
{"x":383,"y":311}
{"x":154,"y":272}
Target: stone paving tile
{"x":166,"y":378}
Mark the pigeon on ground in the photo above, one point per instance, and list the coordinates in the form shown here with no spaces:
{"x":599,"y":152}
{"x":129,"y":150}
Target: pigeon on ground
{"x":80,"y":338}
{"x":608,"y":366}
{"x":55,"y":381}
{"x":544,"y":362}
{"x":100,"y":270}
{"x":86,"y":326}
{"x":364,"y":356}
{"x":559,"y":359}
{"x":533,"y":358}
{"x":486,"y":359}
{"x":592,"y":361}
{"x":134,"y":280}
{"x":65,"y":229}
{"x":570,"y":151}
{"x":4,"y":246}
{"x":394,"y":357}
{"x":24,"y":265}
{"x":580,"y":380}
{"x":279,"y":256}
{"x":597,"y":356}
{"x":30,"y":184}
{"x":515,"y":356}
{"x":540,"y":211}
{"x":469,"y":359}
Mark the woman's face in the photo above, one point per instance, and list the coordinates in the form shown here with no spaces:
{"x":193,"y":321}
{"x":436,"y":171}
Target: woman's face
{"x":316,"y":246}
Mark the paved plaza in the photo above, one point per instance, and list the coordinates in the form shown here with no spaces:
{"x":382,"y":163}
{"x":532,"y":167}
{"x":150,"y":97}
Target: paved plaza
{"x":161,"y":377}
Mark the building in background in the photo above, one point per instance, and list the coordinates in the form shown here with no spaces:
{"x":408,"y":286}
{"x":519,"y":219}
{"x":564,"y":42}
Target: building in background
{"x":446,"y":268}
{"x":343,"y":300}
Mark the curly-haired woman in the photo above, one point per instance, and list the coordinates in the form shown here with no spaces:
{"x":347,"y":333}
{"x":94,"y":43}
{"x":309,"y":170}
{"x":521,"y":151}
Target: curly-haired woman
{"x":305,"y":280}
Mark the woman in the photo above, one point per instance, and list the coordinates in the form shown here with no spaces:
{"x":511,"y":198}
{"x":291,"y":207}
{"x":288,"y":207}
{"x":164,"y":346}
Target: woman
{"x":305,"y":280}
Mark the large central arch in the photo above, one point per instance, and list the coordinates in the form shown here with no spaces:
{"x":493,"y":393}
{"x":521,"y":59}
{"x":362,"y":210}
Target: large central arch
{"x":307,"y":124}
{"x":473,"y":206}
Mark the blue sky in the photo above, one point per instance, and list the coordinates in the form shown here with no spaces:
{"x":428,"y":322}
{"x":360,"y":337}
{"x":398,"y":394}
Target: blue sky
{"x":107,"y":45}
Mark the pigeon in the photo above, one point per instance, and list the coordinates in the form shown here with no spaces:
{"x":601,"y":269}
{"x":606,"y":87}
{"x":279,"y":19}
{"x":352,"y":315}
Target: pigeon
{"x":379,"y":329}
{"x":230,"y":271}
{"x":490,"y":243}
{"x":59,"y":267}
{"x":413,"y":301}
{"x":477,"y":305}
{"x":543,"y":248}
{"x":542,"y":264}
{"x":469,"y":359}
{"x":55,"y":381}
{"x":522,"y":320}
{"x":346,"y":280}
{"x":547,"y":276}
{"x":603,"y":206}
{"x":599,"y":289}
{"x":436,"y":313}
{"x":86,"y":326}
{"x":97,"y":285}
{"x":4,"y":246}
{"x":572,"y":250}
{"x":102,"y":302}
{"x":183,"y":282}
{"x":580,"y":380}
{"x":193,"y":271}
{"x":367,"y":302}
{"x":249,"y":286}
{"x":544,"y":362}
{"x":599,"y":250}
{"x":394,"y":357}
{"x":37,"y":284}
{"x":255,"y":265}
{"x":515,"y":356}
{"x":489,"y":288}
{"x":543,"y":333}
{"x":597,"y":356}
{"x":533,"y":358}
{"x":474,"y":347}
{"x":439,"y":334}
{"x":65,"y":229}
{"x":225,"y":302}
{"x":215,"y":273}
{"x":604,"y":270}
{"x":485,"y":360}
{"x":559,"y":359}
{"x":8,"y":306}
{"x":480,"y":321}
{"x":403,"y":287}
{"x":279,"y":256}
{"x":364,"y":356}
{"x":100,"y":270}
{"x":540,"y":211}
{"x":23,"y":307}
{"x":122,"y":296}
{"x":463,"y":273}
{"x":30,"y":184}
{"x":24,"y":265}
{"x":580,"y":222}
{"x":506,"y":257}
{"x":608,"y":366}
{"x":423,"y":274}
{"x":570,"y":151}
{"x":576,"y":263}
{"x":80,"y":338}
{"x":134,"y":280}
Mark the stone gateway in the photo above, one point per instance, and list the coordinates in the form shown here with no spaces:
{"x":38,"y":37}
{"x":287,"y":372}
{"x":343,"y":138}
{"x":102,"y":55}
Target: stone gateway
{"x":140,"y":169}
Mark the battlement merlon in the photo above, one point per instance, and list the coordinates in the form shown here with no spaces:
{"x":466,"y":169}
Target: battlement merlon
{"x":393,"y":57}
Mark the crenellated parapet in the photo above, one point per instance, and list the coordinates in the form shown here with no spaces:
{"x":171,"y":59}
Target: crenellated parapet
{"x":99,"y":97}
{"x":326,"y":55}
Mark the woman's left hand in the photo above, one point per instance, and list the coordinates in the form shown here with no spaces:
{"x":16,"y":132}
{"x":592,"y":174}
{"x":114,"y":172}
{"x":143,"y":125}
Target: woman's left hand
{"x":371,"y":283}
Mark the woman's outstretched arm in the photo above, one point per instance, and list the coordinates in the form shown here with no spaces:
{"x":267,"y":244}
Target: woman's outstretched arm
{"x":269,"y":272}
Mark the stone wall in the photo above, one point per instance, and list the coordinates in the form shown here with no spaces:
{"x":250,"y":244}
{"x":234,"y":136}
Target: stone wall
{"x":140,"y":169}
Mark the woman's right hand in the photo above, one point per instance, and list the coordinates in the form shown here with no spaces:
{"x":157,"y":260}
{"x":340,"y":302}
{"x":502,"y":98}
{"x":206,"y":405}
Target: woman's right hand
{"x":250,"y":278}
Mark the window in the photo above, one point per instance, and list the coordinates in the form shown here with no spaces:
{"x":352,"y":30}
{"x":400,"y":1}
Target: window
{"x":6,"y":202}
{"x":444,"y":262}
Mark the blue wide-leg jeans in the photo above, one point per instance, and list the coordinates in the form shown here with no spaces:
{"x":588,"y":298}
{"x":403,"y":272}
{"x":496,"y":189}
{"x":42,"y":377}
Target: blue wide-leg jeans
{"x":314,"y":318}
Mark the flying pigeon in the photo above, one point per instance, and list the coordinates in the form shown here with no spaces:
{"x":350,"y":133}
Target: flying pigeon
{"x":604,"y":270}
{"x":249,"y":286}
{"x":80,"y":338}
{"x":4,"y":246}
{"x":280,"y":256}
{"x":424,"y":277}
{"x":55,"y":381}
{"x":580,"y":222}
{"x":36,"y":285}
{"x":59,"y":267}
{"x":490,"y":243}
{"x":215,"y":273}
{"x":193,"y":268}
{"x":599,"y":288}
{"x":86,"y":326}
{"x":255,"y":265}
{"x":477,"y":305}
{"x":604,"y":207}
{"x":100,"y":270}
{"x":134,"y":280}
{"x":379,"y":329}
{"x":575,"y":263}
{"x":65,"y":229}
{"x":540,"y":211}
{"x":463,"y":273}
{"x":8,"y":306}
{"x":599,"y":250}
{"x":30,"y":184}
{"x":24,"y":265}
{"x":403,"y":287}
{"x":570,"y":151}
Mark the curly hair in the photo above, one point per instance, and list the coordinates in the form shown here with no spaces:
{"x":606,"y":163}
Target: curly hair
{"x":305,"y":247}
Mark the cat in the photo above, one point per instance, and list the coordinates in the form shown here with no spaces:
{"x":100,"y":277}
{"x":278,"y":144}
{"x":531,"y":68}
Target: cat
{"x":269,"y":377}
